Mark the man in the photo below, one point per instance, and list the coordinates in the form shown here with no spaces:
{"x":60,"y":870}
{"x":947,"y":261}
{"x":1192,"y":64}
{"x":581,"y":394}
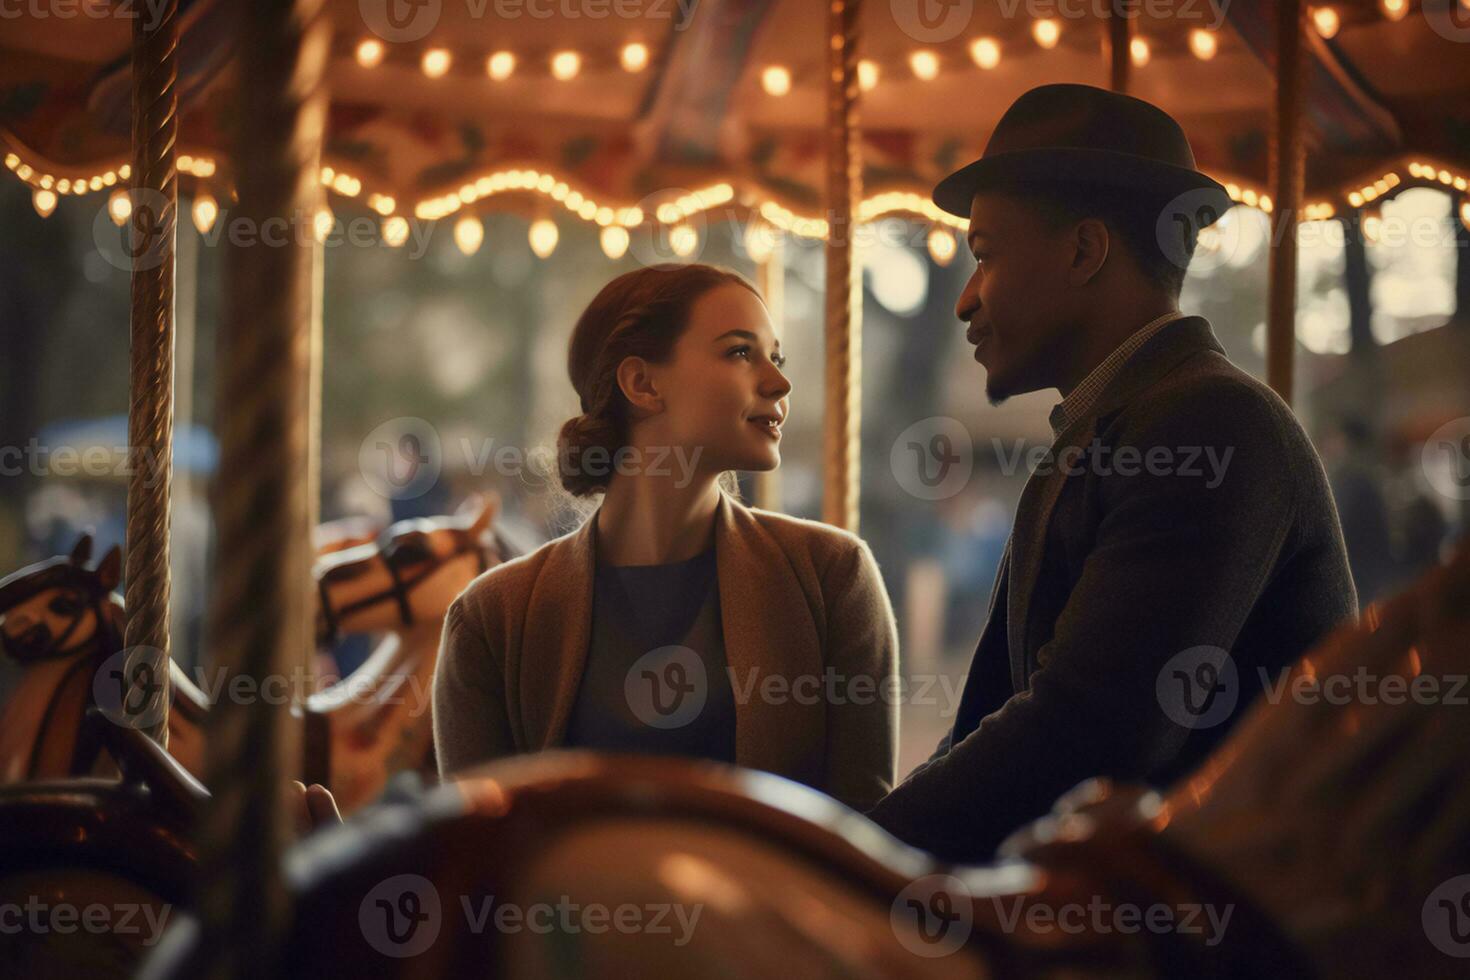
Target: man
{"x":1179,"y":546}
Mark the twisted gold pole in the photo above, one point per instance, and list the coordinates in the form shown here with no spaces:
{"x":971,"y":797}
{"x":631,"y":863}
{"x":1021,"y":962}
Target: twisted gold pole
{"x":260,"y":610}
{"x":1287,"y":160}
{"x":842,"y":409}
{"x":150,"y":393}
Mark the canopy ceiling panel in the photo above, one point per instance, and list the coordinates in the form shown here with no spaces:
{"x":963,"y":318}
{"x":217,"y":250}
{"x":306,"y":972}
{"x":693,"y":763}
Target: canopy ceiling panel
{"x":698,"y":110}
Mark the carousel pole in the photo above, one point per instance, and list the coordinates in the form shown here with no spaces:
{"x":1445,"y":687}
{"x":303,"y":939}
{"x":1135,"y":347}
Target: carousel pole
{"x":261,"y":607}
{"x":770,"y":279}
{"x":151,"y":342}
{"x":842,"y":408}
{"x":1119,"y":40}
{"x":1286,"y":164}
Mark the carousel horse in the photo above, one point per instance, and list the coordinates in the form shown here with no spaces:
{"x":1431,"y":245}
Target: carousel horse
{"x":59,"y":619}
{"x":1322,"y":838}
{"x":366,"y":727}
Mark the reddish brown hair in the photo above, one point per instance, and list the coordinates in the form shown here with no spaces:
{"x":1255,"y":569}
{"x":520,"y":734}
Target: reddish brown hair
{"x":639,"y":314}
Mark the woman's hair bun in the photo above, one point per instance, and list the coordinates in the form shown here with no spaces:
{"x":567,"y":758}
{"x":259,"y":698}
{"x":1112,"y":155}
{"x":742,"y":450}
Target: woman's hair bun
{"x":585,"y":473}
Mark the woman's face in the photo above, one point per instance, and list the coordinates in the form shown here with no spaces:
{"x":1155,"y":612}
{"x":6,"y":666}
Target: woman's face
{"x":722,"y":389}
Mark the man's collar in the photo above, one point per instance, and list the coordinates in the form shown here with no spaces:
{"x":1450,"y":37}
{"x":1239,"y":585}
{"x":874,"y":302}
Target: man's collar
{"x":1156,"y":357}
{"x":1082,"y":398}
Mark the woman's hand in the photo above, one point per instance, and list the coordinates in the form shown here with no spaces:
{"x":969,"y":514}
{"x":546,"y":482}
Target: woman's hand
{"x":313,"y":807}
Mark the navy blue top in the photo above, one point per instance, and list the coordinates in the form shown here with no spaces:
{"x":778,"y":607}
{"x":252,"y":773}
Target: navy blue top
{"x":655,"y":681}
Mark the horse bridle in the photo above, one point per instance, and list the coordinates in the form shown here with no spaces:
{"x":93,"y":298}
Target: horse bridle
{"x":399,"y":589}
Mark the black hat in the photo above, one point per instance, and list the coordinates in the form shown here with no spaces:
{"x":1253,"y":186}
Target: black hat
{"x":1084,"y":134}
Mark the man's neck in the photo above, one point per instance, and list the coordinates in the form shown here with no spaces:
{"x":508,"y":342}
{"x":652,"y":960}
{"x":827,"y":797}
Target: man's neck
{"x":1105,"y":336}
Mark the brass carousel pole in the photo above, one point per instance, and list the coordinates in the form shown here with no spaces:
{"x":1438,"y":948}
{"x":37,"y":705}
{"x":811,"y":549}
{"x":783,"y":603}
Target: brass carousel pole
{"x":770,"y":279}
{"x":842,"y":409}
{"x":261,"y":607}
{"x":151,"y":397}
{"x":1286,"y":163}
{"x":1118,"y":44}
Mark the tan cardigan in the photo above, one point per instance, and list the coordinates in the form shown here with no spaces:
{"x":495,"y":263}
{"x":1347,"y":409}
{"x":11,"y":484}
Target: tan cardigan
{"x":809,"y":638}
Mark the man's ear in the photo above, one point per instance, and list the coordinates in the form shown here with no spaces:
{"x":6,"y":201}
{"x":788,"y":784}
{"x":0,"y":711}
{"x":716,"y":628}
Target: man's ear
{"x":635,"y":378}
{"x":1090,"y":241}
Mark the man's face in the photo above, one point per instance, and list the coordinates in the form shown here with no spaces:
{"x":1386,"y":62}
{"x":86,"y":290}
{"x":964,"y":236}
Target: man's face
{"x":1016,"y":303}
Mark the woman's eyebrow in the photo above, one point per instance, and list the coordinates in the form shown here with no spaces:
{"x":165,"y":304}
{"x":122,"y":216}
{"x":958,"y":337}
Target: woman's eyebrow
{"x":745,"y":334}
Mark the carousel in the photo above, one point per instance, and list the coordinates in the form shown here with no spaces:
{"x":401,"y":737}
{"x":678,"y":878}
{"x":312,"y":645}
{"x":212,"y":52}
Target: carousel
{"x":275,"y":837}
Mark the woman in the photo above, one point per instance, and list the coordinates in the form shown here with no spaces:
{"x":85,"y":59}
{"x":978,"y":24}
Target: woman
{"x":676,"y":620}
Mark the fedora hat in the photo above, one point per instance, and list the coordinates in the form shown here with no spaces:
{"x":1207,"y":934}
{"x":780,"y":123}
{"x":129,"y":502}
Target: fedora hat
{"x":1084,"y":134}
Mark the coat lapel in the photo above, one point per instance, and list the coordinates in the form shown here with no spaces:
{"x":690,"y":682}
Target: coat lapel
{"x":1157,"y":357}
{"x":768,"y":630}
{"x":1028,"y":542}
{"x":558,"y":629}
{"x":766,"y":623}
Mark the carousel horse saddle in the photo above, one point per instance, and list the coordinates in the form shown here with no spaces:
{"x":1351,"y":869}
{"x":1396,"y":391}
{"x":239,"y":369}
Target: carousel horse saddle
{"x":573,"y":863}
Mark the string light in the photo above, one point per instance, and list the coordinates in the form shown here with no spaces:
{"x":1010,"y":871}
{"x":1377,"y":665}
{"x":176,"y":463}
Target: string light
{"x":925,"y":65}
{"x":204,"y":212}
{"x":370,"y":53}
{"x":395,"y":231}
{"x":615,"y":240}
{"x":119,"y":206}
{"x":565,"y":65}
{"x":634,"y":57}
{"x":322,"y":222}
{"x":469,"y":232}
{"x":436,"y":62}
{"x":985,"y":52}
{"x":1394,"y":9}
{"x":1465,"y":214}
{"x":382,"y":203}
{"x":683,"y":240}
{"x":500,"y":65}
{"x":867,"y":75}
{"x":1203,"y":44}
{"x":1138,"y":51}
{"x":543,"y":236}
{"x":776,"y":80}
{"x":1326,"y":21}
{"x":760,"y":241}
{"x":1047,"y":32}
{"x":941,"y":246}
{"x":44,"y":201}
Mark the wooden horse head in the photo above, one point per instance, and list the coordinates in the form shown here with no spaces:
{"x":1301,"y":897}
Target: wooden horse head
{"x":59,"y":619}
{"x":409,"y":575}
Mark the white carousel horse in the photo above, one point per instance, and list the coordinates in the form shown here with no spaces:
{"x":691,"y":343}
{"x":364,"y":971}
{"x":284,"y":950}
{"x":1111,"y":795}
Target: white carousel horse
{"x":1321,"y":838}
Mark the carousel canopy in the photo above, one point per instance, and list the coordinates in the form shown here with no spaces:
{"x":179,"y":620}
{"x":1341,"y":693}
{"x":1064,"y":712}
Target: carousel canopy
{"x":601,"y":106}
